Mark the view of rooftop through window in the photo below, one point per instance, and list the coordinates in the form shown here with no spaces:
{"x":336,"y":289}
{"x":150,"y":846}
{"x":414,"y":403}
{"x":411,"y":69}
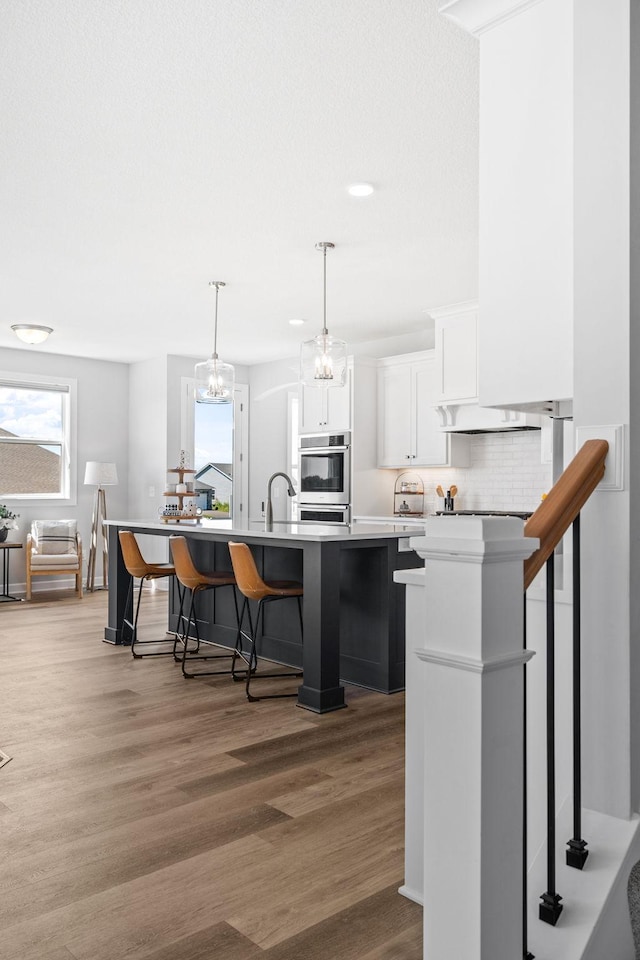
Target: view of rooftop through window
{"x":32,"y":440}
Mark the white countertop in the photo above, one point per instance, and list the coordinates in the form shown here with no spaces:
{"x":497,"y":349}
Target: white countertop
{"x":405,"y":521}
{"x":282,"y":530}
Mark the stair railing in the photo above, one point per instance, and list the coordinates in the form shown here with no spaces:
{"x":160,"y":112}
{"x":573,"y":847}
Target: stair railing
{"x":557,"y":512}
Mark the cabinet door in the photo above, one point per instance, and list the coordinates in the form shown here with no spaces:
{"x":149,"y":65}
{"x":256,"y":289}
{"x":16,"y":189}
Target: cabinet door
{"x":338,"y":407}
{"x":431,"y":447}
{"x":457,"y":353}
{"x":312,"y":409}
{"x":395,"y":445}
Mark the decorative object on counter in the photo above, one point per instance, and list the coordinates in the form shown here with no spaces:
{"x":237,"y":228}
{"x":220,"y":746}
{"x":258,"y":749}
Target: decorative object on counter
{"x":99,"y":475}
{"x":31,"y":333}
{"x":408,"y":496}
{"x":214,"y":379}
{"x":180,"y":510}
{"x":323,"y":360}
{"x":448,"y":500}
{"x":447,"y":497}
{"x":7,"y":521}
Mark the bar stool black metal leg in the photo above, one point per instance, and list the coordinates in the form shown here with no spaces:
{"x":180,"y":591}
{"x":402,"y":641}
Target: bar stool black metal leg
{"x":253,"y":657}
{"x":194,"y":654}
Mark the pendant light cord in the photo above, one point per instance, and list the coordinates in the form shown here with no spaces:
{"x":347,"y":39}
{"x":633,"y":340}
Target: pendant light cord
{"x":323,"y":245}
{"x":324,"y":315}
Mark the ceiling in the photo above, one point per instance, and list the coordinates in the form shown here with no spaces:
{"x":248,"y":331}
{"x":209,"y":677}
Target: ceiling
{"x":150,"y":146}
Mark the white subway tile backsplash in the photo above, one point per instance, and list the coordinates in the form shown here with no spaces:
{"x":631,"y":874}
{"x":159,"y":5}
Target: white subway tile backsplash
{"x":505,"y":473}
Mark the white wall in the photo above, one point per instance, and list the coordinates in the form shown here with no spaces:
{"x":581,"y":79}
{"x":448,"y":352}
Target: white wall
{"x":269,"y":385}
{"x":602,"y":389}
{"x":634,"y":432}
{"x":102,"y":431}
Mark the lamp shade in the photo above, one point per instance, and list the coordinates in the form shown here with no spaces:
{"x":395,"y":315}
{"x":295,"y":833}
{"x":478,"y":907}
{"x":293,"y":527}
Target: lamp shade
{"x":100,"y":474}
{"x":214,"y":381}
{"x":323,"y":362}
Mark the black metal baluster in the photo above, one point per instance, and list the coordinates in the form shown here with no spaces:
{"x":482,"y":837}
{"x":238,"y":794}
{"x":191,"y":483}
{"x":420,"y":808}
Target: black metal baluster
{"x":551,"y":908}
{"x":577,"y":852}
{"x":525,"y":887}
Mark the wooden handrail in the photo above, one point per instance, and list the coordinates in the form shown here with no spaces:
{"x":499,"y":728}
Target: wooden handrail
{"x":564,"y":502}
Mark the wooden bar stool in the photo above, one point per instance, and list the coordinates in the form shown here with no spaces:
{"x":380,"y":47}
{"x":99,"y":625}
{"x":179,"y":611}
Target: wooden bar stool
{"x":137,"y":566}
{"x":253,"y":587}
{"x":197,"y":582}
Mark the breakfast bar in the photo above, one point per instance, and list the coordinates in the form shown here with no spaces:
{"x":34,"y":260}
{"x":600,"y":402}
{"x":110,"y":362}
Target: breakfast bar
{"x":353,"y":612}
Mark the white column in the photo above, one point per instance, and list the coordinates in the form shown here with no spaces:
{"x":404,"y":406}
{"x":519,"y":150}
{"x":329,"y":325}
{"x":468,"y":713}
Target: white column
{"x":472,"y":687}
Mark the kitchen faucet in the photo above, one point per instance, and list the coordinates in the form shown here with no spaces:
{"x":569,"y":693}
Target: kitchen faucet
{"x":268,"y":522}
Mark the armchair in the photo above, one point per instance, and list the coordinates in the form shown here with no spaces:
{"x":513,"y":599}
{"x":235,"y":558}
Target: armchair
{"x":54,"y":547}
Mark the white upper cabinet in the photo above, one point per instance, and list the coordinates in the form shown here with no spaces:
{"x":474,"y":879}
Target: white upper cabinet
{"x":456,"y":336}
{"x":326,"y":409}
{"x":526,"y":208}
{"x":409,"y":434}
{"x":456,"y":330}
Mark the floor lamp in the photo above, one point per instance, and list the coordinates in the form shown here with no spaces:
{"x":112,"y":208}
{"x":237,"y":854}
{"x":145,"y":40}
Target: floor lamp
{"x":99,"y":475}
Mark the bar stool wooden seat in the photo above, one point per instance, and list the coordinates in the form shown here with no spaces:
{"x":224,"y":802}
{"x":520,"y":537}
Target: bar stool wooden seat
{"x":253,"y":587}
{"x":197,"y":582}
{"x":137,"y":567}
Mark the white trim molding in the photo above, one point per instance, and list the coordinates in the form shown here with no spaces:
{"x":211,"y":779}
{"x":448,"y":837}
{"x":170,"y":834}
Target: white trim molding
{"x":475,"y":666}
{"x":478,"y":16}
{"x":614,"y":468}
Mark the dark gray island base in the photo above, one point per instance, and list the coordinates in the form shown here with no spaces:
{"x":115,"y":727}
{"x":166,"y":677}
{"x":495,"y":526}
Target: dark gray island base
{"x":353,"y":612}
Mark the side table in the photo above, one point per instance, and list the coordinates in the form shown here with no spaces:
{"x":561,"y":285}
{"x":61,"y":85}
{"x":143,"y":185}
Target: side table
{"x":5,"y":546}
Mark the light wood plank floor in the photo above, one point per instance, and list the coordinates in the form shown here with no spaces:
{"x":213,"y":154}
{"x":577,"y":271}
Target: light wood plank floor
{"x":147,"y":816}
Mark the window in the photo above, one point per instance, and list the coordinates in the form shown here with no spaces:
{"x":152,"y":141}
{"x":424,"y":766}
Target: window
{"x":35,"y":434}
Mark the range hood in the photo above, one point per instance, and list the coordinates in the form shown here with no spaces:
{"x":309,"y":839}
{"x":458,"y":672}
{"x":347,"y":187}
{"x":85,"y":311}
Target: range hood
{"x":471,"y":418}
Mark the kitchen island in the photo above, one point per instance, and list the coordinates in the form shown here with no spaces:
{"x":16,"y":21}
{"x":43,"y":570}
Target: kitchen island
{"x":353,"y":612}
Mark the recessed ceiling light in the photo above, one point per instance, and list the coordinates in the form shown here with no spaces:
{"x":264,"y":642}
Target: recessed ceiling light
{"x":31,"y":332}
{"x":297,"y":323}
{"x":360,"y":189}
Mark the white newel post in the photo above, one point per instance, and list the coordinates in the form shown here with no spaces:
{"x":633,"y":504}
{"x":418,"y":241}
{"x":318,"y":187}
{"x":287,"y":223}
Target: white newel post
{"x":471,"y":685}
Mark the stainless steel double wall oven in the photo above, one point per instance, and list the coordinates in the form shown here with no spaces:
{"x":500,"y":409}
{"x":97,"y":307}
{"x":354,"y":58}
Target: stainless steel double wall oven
{"x":325,"y":478}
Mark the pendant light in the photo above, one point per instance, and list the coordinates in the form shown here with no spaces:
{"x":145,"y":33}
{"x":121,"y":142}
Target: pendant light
{"x":323,"y":360}
{"x":214,"y":379}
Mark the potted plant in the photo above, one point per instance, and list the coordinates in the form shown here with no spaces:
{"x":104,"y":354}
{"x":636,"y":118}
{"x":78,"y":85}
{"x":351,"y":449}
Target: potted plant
{"x":7,"y":521}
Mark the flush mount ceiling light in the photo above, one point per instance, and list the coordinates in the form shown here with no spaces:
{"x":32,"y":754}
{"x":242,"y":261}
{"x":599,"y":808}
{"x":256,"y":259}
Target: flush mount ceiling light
{"x":296,"y":322}
{"x":214,"y":379}
{"x":360,"y":189}
{"x":31,"y":332}
{"x":323,"y":360}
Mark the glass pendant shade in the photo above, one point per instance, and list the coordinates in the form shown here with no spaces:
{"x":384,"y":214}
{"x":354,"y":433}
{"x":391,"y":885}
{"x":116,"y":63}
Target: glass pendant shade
{"x":214,"y":379}
{"x":323,"y":361}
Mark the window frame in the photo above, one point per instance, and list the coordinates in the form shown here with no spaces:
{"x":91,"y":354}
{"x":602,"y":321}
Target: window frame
{"x":68,"y":388}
